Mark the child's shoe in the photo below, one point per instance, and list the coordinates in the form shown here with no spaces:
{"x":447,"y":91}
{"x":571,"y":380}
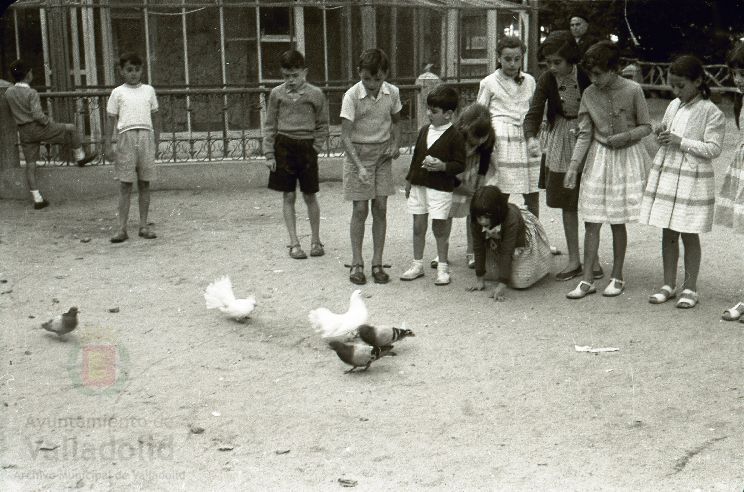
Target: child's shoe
{"x":379,"y":275}
{"x":582,"y":290}
{"x":614,"y":288}
{"x":42,"y":204}
{"x":296,"y":252}
{"x":434,"y":262}
{"x":316,"y":249}
{"x":416,"y":271}
{"x":443,"y":276}
{"x":471,"y":260}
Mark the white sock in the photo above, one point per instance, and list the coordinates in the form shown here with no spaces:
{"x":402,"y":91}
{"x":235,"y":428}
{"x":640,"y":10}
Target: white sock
{"x":418,"y":262}
{"x":444,"y":266}
{"x":79,"y":154}
{"x":37,"y":196}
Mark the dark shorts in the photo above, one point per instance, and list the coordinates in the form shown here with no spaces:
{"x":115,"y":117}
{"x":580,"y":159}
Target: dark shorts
{"x":296,"y":160}
{"x":32,"y":134}
{"x":556,"y":196}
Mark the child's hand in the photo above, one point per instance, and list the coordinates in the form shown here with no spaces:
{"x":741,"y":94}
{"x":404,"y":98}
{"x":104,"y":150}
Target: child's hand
{"x":668,"y":138}
{"x":533,"y":145}
{"x":480,"y":284}
{"x":659,"y":128}
{"x":569,"y":181}
{"x":364,"y":175}
{"x":497,"y":294}
{"x":408,"y":189}
{"x":618,"y":140}
{"x":434,"y":164}
{"x":271,"y":164}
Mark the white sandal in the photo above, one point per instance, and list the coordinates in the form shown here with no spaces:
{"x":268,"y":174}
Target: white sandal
{"x":580,"y":292}
{"x":733,"y":313}
{"x":665,"y":293}
{"x":688,"y":298}
{"x":614,"y":288}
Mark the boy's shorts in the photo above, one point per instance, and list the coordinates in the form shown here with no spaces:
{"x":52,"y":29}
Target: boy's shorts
{"x":32,"y":134}
{"x":423,"y":200}
{"x":135,"y":156}
{"x":296,"y":160}
{"x":380,"y":173}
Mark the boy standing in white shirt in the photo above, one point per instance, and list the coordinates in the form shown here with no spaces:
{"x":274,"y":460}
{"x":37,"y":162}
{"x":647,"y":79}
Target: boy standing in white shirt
{"x":133,"y":114}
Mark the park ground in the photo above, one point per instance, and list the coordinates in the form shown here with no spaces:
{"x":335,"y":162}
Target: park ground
{"x":154,"y":392}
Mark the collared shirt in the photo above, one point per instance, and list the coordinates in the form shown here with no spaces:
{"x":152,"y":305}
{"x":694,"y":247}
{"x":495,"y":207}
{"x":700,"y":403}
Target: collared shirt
{"x":300,"y":114}
{"x":371,"y":117}
{"x":133,"y":105}
{"x":25,"y":105}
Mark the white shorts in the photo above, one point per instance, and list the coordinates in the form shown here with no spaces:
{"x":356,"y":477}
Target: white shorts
{"x":423,"y":200}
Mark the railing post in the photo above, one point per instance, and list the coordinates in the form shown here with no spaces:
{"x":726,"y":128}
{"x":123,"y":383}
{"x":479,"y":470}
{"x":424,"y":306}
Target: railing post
{"x":9,"y":157}
{"x":427,"y":81}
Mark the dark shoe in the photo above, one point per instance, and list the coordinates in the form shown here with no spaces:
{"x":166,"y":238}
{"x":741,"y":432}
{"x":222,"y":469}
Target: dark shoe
{"x":85,"y":160}
{"x":598,"y":274}
{"x":378,"y":273}
{"x":356,"y":274}
{"x":146,"y":233}
{"x":119,"y":238}
{"x":42,"y":204}
{"x":569,"y":274}
{"x":295,"y":251}
{"x":316,"y":249}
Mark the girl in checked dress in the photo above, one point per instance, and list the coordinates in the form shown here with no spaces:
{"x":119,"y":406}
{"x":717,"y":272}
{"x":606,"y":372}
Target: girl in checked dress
{"x":613,"y":118}
{"x":730,"y":207}
{"x":680,"y":194}
{"x":507,"y":93}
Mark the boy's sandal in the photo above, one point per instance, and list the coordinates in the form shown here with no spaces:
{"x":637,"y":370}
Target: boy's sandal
{"x":734,"y":313}
{"x":569,"y":274}
{"x":664,"y":294}
{"x":614,"y":288}
{"x":295,"y":251}
{"x":598,"y":273}
{"x":379,"y":275}
{"x":582,"y":290}
{"x":687,"y":299}
{"x":119,"y":238}
{"x":356,"y":274}
{"x":146,"y":233}
{"x":316,"y":249}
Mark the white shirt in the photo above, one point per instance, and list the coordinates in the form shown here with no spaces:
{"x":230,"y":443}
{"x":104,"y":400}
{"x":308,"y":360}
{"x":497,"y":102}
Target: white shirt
{"x":434,"y":133}
{"x":132,"y":105}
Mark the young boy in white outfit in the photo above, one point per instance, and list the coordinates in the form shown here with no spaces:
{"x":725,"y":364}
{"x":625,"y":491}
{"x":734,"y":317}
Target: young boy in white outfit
{"x":439,"y":156}
{"x":133,"y":114}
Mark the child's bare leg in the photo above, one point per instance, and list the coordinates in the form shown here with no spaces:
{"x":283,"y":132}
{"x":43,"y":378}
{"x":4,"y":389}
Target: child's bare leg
{"x":290,"y":219}
{"x":125,"y":194}
{"x":591,"y":248}
{"x":670,"y":255}
{"x":379,"y":228}
{"x":441,"y":229}
{"x":313,"y":213}
{"x":469,"y":239}
{"x":619,"y":245}
{"x":693,"y":254}
{"x":532,"y":202}
{"x":143,"y":195}
{"x":359,"y":214}
{"x":31,"y":175}
{"x":420,"y":224}
{"x":571,"y":231}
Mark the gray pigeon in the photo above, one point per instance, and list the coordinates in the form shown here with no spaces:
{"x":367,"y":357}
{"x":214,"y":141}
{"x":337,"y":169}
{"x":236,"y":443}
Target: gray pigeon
{"x":62,"y":324}
{"x":358,"y":355}
{"x":379,"y":336}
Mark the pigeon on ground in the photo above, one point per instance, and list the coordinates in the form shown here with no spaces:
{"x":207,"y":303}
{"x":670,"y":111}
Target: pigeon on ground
{"x":379,"y":336}
{"x":358,"y":355}
{"x":220,"y":295}
{"x":340,"y":327}
{"x":62,"y":324}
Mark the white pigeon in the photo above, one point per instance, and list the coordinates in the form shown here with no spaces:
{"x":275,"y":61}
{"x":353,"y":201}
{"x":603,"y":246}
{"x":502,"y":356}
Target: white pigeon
{"x":220,"y":295}
{"x":340,"y":327}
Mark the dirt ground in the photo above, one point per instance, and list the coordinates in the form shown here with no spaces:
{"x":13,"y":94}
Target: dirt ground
{"x":165,"y":395}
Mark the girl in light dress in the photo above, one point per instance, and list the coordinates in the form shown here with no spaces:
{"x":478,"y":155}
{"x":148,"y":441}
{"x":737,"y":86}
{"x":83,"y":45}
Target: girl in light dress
{"x":680,"y":194}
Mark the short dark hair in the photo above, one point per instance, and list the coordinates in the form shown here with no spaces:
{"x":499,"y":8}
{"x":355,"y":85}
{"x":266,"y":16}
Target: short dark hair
{"x":604,"y":55}
{"x":375,"y":60}
{"x":291,"y":59}
{"x":444,"y":97}
{"x":510,"y":42}
{"x":131,"y":58}
{"x":691,"y":68}
{"x":18,"y":70}
{"x":560,"y":43}
{"x":581,"y":15}
{"x":490,"y":202}
{"x":735,"y":57}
